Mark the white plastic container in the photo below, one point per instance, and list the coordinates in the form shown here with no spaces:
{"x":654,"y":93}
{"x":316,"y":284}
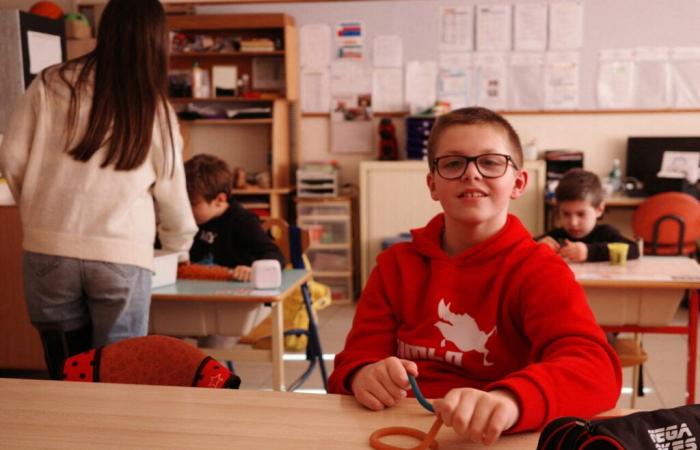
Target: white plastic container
{"x":164,"y":268}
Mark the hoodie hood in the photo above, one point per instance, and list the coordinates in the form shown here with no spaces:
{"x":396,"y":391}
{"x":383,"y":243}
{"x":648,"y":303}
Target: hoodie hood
{"x":427,"y":241}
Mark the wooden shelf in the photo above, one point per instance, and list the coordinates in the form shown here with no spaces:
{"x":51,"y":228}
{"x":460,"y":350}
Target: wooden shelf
{"x":226,"y":54}
{"x":264,"y":98}
{"x":338,"y":274}
{"x":225,"y":122}
{"x":330,"y":246}
{"x":256,"y":191}
{"x":534,"y":112}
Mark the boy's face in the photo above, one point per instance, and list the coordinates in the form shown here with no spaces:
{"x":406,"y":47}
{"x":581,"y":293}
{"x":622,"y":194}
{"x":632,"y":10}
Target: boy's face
{"x":473,"y":200}
{"x":578,"y":217}
{"x":204,"y":211}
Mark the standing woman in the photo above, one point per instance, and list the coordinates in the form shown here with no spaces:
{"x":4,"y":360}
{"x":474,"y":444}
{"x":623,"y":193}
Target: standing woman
{"x":93,"y":157}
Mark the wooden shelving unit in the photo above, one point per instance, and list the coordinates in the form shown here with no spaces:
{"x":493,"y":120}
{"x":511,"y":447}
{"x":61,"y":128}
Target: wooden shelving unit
{"x":280,"y":29}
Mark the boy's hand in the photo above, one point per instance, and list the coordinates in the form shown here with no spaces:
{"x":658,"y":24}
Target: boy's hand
{"x":574,"y":251}
{"x":241,"y":273}
{"x":550,"y":242}
{"x":479,"y":416}
{"x":383,"y":383}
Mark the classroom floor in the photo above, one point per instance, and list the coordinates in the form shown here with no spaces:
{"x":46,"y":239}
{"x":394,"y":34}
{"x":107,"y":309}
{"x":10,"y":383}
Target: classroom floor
{"x":664,"y":373}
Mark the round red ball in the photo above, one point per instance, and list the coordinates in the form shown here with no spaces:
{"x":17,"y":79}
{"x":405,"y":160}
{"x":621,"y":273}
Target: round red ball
{"x":47,"y":9}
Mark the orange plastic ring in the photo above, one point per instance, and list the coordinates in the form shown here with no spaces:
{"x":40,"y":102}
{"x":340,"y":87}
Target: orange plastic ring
{"x":427,"y":439}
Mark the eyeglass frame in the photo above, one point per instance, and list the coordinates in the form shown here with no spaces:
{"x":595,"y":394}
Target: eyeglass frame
{"x":470,"y":159}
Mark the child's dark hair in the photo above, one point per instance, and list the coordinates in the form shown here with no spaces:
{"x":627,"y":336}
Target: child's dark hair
{"x":580,"y":185}
{"x":473,"y":116}
{"x":207,"y":176}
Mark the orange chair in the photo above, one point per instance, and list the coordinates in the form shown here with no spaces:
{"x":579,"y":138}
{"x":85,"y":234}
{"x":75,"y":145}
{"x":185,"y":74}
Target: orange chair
{"x":669,"y":224}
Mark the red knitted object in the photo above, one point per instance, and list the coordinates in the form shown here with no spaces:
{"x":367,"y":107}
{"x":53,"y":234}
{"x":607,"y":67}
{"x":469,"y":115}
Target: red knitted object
{"x":157,"y":360}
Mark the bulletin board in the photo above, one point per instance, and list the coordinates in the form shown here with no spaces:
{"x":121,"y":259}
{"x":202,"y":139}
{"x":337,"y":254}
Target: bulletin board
{"x":606,"y":25}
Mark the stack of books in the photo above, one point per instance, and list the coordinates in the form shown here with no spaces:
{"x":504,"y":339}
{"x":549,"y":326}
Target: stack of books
{"x":257,"y":45}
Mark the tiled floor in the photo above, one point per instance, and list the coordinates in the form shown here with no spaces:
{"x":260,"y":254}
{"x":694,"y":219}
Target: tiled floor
{"x":664,"y":373}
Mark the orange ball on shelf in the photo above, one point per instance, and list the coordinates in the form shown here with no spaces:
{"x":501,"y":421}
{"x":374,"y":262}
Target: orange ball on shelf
{"x":47,"y":9}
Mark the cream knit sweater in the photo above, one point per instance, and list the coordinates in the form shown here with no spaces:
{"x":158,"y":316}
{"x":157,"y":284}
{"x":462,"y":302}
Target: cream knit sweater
{"x":77,"y":209}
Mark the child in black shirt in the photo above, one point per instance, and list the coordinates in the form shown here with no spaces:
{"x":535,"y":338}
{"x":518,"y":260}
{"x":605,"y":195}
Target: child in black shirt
{"x":229,"y":235}
{"x":580,"y":203}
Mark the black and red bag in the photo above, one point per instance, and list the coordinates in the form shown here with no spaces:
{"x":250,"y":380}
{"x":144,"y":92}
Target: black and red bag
{"x":663,"y":429}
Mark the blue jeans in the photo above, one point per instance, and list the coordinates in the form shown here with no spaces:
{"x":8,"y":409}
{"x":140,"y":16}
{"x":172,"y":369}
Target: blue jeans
{"x":65,"y":294}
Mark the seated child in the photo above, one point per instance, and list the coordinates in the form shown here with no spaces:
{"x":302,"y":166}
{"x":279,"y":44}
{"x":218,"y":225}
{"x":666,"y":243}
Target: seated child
{"x":229,"y":235}
{"x":580,"y":203}
{"x":491,"y":324}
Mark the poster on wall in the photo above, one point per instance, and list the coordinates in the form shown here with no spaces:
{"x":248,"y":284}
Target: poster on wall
{"x":566,"y":25}
{"x":349,"y":40}
{"x":530,"y":26}
{"x":315,"y":46}
{"x":456,"y":29}
{"x":616,"y":79}
{"x":493,"y":27}
{"x":561,"y":80}
{"x":351,"y":123}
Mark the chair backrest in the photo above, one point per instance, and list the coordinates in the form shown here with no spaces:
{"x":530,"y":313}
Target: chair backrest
{"x":669,"y":223}
{"x":291,"y":240}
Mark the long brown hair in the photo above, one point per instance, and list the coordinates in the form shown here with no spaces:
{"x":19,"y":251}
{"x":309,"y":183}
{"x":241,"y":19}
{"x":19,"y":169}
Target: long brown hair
{"x":130,"y":65}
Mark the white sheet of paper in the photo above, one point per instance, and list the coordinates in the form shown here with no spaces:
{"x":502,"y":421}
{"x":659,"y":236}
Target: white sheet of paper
{"x":350,"y":76}
{"x":453,"y":88}
{"x":566,"y":25}
{"x":349,"y":40}
{"x":652,"y":77}
{"x":680,"y":165}
{"x":493,"y":27}
{"x":561,"y":80}
{"x":526,"y":81}
{"x":685,"y":67}
{"x":616,"y":78}
{"x":44,"y":51}
{"x":315,"y":91}
{"x":530,"y":26}
{"x":315,"y":46}
{"x":491,"y":80}
{"x":421,"y":85}
{"x":455,"y":61}
{"x":456,"y":28}
{"x":387,"y":89}
{"x":388,"y":51}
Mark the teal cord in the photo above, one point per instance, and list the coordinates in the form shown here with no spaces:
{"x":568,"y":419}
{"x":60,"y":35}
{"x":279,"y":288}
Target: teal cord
{"x":419,"y":395}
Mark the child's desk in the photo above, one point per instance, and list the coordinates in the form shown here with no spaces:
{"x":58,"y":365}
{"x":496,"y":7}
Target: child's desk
{"x":642,"y":297}
{"x":74,"y":415}
{"x":237,"y":292}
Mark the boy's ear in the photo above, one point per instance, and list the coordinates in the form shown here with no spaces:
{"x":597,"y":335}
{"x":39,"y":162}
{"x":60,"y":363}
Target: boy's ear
{"x":520,"y":184}
{"x":221,"y":197}
{"x":599,"y":210}
{"x":430,"y":180}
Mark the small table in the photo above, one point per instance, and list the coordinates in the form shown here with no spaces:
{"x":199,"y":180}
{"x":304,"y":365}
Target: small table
{"x":74,"y":415}
{"x":642,"y":297}
{"x":240,"y":292}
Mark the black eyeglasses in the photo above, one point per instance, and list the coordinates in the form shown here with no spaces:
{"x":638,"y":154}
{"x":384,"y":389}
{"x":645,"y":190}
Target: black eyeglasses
{"x":489,"y":165}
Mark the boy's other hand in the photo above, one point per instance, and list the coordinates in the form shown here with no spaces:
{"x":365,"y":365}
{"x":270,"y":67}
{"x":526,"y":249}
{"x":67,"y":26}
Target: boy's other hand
{"x":550,"y":242}
{"x":241,"y":273}
{"x":574,"y":251}
{"x":383,"y":383}
{"x":479,"y":416}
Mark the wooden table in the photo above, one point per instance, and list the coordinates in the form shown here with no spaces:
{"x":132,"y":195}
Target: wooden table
{"x":239,"y":292}
{"x":642,"y":297}
{"x":72,"y":415}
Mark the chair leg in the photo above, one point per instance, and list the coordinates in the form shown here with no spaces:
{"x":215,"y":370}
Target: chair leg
{"x":635,"y":381}
{"x":314,"y":339}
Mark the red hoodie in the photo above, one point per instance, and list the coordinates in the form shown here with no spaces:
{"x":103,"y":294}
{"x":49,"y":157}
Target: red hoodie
{"x":504,"y":314}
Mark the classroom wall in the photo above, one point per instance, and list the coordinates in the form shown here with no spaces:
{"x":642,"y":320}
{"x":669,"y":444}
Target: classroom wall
{"x":602,"y":136}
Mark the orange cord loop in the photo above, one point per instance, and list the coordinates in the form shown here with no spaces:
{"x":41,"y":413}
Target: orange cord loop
{"x":428,"y":440}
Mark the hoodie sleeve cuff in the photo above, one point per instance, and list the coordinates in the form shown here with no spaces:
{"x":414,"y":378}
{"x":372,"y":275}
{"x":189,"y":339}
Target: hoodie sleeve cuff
{"x":340,"y":381}
{"x":531,"y":402}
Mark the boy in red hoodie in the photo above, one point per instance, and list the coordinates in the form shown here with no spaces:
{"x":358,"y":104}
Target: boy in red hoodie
{"x":492,"y":324}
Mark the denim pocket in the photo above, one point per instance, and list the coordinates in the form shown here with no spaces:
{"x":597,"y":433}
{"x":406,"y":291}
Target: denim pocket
{"x":42,"y":265}
{"x":123,"y":270}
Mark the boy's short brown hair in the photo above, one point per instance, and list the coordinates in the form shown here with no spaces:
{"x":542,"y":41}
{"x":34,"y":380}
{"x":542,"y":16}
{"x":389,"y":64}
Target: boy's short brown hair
{"x":207,"y":176}
{"x":473,"y":116}
{"x":579,"y":185}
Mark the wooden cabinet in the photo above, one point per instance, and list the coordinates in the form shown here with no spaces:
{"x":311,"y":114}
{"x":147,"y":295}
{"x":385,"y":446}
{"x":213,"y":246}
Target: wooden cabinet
{"x":20,"y":346}
{"x":255,"y":130}
{"x":329,"y":221}
{"x":394,"y":199}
